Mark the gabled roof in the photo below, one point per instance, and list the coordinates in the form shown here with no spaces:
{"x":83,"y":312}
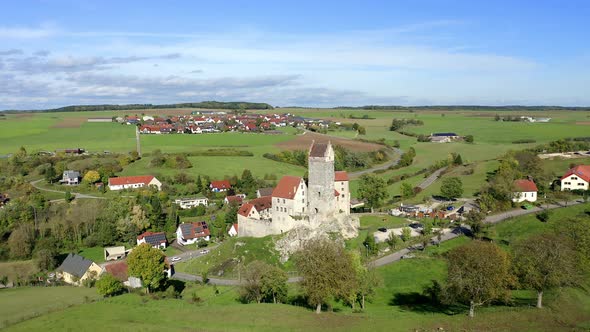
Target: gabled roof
{"x":123,"y":180}
{"x":582,"y":171}
{"x":318,"y":149}
{"x":336,"y":193}
{"x":75,"y":265}
{"x":262,"y":203}
{"x":71,"y":174}
{"x":287,"y":187}
{"x":444,"y":134}
{"x":235,"y":227}
{"x":221,"y":184}
{"x":234,"y":199}
{"x":194,"y":230}
{"x":152,"y":238}
{"x":525,"y":185}
{"x":265,"y":191}
{"x":340,"y":176}
{"x":118,"y":270}
{"x":245,"y":209}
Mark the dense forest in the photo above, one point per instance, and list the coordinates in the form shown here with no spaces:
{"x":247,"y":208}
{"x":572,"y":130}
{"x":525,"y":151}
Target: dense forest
{"x":234,"y":105}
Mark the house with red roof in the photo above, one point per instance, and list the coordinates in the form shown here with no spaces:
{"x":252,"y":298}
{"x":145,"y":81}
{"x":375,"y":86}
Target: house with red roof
{"x":235,"y":199}
{"x":119,"y":270}
{"x":524,"y":190}
{"x":155,"y":239}
{"x":219,"y":186}
{"x":576,"y":178}
{"x":133,"y":182}
{"x":289,"y":198}
{"x":190,"y":233}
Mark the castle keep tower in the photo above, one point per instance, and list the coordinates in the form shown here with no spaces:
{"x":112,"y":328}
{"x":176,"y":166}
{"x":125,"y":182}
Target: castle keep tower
{"x":321,"y":193}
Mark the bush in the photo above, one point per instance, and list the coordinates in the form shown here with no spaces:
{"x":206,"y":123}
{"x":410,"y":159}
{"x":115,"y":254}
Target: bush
{"x":543,"y":216}
{"x":108,"y":285}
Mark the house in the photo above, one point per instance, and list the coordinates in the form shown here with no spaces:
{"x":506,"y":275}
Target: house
{"x":75,"y":269}
{"x":264,"y":192}
{"x":132,"y":182}
{"x":576,"y":178}
{"x":119,"y":271}
{"x":524,"y":190}
{"x":233,"y":231}
{"x":114,"y":253}
{"x":289,"y":198}
{"x":70,"y":178}
{"x":156,"y":240}
{"x":188,"y":203}
{"x":189,"y":233}
{"x":235,"y":199}
{"x":219,"y":186}
{"x":443,"y":137}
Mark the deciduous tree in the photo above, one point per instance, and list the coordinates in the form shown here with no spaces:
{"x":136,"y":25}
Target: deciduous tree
{"x":372,"y":190}
{"x":543,"y":262}
{"x":108,"y":285}
{"x":147,"y":263}
{"x":451,"y":188}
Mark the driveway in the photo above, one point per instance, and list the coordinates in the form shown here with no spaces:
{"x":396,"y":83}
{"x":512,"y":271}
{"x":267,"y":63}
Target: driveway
{"x":431,"y":178}
{"x":76,"y":195}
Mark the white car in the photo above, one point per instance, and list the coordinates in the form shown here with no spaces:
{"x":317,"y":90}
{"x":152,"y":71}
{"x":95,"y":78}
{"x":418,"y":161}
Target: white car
{"x":175,"y":259}
{"x":205,"y":251}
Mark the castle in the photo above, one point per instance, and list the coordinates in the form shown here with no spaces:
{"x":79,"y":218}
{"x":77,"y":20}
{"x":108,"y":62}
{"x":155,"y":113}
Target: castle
{"x":294,"y":203}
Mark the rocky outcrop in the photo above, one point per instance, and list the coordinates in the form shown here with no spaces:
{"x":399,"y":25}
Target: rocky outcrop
{"x":342,"y":226}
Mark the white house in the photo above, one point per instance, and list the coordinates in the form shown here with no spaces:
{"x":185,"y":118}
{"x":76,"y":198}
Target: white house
{"x":233,"y":231}
{"x":189,"y":233}
{"x":70,"y":178}
{"x":133,"y":182}
{"x":525,"y":190}
{"x":156,"y":240}
{"x":289,"y":198}
{"x":219,"y":186}
{"x":576,"y":178}
{"x":187,"y":203}
{"x":341,"y":187}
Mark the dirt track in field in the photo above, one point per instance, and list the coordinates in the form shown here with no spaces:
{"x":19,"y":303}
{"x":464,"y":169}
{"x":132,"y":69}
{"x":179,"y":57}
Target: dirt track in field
{"x":70,"y":123}
{"x":303,"y":142}
{"x":583,"y":123}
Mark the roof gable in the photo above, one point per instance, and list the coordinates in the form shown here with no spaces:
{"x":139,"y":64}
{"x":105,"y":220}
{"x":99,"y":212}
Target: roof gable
{"x":221,"y":184}
{"x":582,"y":171}
{"x":525,"y":185}
{"x":245,"y":209}
{"x":75,"y":265}
{"x":287,"y":187}
{"x":262,"y":203}
{"x":265,"y":191}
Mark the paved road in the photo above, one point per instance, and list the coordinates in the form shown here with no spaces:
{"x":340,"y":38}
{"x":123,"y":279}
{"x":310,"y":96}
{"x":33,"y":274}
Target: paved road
{"x":516,"y":213}
{"x":431,"y":178}
{"x":218,"y":281}
{"x":76,"y":195}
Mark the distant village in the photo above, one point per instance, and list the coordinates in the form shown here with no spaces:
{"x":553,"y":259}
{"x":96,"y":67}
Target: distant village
{"x":200,"y":122}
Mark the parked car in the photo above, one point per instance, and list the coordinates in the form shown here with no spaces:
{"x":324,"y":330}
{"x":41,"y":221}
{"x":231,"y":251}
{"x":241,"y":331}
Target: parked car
{"x":415,"y":225}
{"x":450,"y":208}
{"x":175,"y":259}
{"x":382,"y":229}
{"x":204,"y":251}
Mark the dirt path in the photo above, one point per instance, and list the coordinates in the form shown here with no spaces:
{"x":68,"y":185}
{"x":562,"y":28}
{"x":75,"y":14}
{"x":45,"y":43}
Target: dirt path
{"x":76,"y":195}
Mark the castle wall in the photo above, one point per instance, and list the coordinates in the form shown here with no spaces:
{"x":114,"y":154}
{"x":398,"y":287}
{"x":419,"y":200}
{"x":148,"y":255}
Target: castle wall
{"x":248,"y":227}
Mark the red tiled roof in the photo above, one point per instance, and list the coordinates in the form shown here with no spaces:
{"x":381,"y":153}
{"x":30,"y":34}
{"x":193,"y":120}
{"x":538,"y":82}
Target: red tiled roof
{"x":222,"y":184}
{"x":525,"y":185}
{"x":245,"y":209}
{"x":340,"y":176}
{"x":287,"y":187}
{"x":123,"y":180}
{"x":582,"y":171}
{"x":194,"y":229}
{"x":262,"y":203}
{"x":234,"y":199}
{"x":118,"y":270}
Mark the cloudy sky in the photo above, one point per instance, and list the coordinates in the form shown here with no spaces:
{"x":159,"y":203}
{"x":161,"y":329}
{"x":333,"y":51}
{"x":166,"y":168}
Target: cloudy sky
{"x":308,"y":53}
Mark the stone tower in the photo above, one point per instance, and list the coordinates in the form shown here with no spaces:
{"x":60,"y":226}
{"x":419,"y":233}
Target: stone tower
{"x":321,"y":180}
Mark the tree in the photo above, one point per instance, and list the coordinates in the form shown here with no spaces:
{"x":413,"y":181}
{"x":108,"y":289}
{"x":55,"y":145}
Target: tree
{"x":407,"y":190}
{"x":362,"y":130}
{"x":457,"y":160}
{"x":21,"y":241}
{"x":147,"y":263}
{"x":469,"y":139}
{"x":274,"y":284}
{"x":68,"y":197}
{"x":91,"y":177}
{"x":406,"y":234}
{"x":478,"y":273}
{"x":327,"y":271}
{"x":474,"y":219}
{"x":577,"y":230}
{"x":264,"y":282}
{"x":372,"y":190}
{"x":50,"y":174}
{"x":451,"y":188}
{"x":543,"y":262}
{"x":393,"y":240}
{"x":231,"y":216}
{"x":108,"y":285}
{"x":370,"y":244}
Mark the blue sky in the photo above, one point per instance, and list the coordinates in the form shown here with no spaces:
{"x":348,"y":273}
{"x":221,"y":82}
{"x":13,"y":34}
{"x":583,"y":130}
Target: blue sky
{"x":307,"y":53}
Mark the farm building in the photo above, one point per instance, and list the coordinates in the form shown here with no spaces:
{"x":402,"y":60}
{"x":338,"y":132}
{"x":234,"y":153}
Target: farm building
{"x":114,"y":253}
{"x":156,"y":240}
{"x":576,"y":178}
{"x":189,"y":233}
{"x":133,"y":182}
{"x":525,"y":190}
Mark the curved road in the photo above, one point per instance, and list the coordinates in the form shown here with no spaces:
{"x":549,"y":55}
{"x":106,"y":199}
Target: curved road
{"x":396,"y":256}
{"x":76,"y":195}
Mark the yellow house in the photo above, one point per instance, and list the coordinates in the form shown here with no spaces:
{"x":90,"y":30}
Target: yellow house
{"x":76,"y":269}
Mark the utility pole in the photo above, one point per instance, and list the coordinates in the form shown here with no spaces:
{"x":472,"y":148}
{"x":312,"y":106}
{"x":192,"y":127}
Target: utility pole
{"x":137,"y":140}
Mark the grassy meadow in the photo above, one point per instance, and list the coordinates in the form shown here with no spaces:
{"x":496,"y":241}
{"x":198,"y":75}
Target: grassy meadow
{"x":398,"y":304}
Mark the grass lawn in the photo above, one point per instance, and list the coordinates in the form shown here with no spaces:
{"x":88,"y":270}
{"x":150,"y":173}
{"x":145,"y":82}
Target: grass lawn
{"x":24,"y":303}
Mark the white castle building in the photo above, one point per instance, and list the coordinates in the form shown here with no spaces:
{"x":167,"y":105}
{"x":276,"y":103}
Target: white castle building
{"x":293,"y":203}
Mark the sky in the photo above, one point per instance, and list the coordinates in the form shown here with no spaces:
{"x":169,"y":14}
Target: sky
{"x":306,"y":53}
